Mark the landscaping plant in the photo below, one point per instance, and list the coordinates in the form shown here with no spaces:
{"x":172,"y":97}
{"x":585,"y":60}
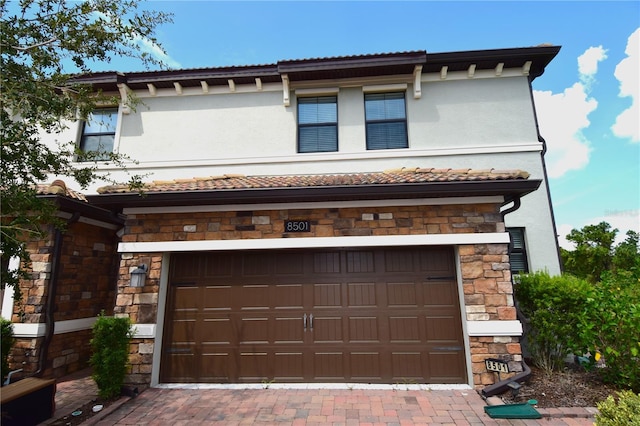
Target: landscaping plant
{"x":6,"y":342}
{"x":110,"y":358}
{"x":621,"y":411}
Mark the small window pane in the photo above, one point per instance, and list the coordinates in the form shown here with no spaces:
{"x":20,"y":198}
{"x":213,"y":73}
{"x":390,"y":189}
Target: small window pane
{"x":98,"y":132}
{"x":318,"y":124}
{"x":386,"y":121}
{"x":103,"y":121}
{"x":386,"y":135}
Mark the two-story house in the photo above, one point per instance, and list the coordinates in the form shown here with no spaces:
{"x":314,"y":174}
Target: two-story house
{"x":346,"y":219}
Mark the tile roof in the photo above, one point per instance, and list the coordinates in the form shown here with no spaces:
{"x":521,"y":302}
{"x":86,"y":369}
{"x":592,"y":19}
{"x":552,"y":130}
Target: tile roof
{"x":58,"y":187}
{"x":389,"y":177}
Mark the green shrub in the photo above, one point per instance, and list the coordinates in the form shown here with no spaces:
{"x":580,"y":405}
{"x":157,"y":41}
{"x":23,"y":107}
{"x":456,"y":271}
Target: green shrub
{"x":554,"y":307}
{"x":611,"y":326}
{"x":6,"y":343}
{"x":568,"y":315}
{"x":623,"y":411}
{"x":110,"y":358}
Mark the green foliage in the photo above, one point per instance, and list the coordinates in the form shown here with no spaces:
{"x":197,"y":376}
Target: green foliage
{"x":110,"y":344}
{"x":595,"y":252}
{"x":611,"y":325}
{"x":6,"y":342}
{"x":43,"y":43}
{"x":621,"y":411}
{"x":569,"y":315}
{"x":553,"y":306}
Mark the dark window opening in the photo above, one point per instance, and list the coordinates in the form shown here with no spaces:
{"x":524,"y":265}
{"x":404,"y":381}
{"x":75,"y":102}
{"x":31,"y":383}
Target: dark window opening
{"x":318,"y":124}
{"x":518,"y":251}
{"x":99,"y":133}
{"x":386,"y":120}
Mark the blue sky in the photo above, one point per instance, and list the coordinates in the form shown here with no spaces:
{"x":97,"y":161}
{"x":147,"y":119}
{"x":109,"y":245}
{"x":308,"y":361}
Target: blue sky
{"x":587,"y":100}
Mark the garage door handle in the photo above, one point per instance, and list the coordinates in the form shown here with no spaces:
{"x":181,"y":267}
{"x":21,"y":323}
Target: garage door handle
{"x":304,"y":321}
{"x":311,"y":321}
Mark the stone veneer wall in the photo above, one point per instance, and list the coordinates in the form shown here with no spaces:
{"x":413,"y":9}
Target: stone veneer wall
{"x":486,"y":277}
{"x":84,"y":288}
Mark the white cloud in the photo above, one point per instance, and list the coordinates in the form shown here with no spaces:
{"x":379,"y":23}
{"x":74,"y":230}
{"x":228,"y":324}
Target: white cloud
{"x":562,"y":117}
{"x":622,"y":220}
{"x":627,"y":71}
{"x":588,"y":64}
{"x":156,"y":52}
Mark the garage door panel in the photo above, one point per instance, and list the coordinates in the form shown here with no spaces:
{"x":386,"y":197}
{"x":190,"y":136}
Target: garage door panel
{"x":254,"y":330}
{"x":398,"y":261}
{"x":404,"y":329}
{"x":218,"y":266}
{"x":290,"y":263}
{"x":360,"y":262}
{"x":362,"y":294}
{"x":289,"y":329}
{"x":407,"y":367}
{"x":215,"y":366}
{"x":184,"y":365}
{"x":440,"y":293}
{"x":327,"y":262}
{"x":216,"y":298}
{"x":329,"y":366}
{"x":183,"y":331}
{"x":401,"y":294}
{"x":365,"y":366}
{"x":327,"y":329}
{"x":327,"y":295}
{"x":289,"y":366}
{"x":186,"y":298}
{"x":445,"y":366}
{"x":218,"y":331}
{"x":288,"y":296}
{"x":364,"y":329}
{"x":254,"y":366}
{"x":251,"y":297}
{"x":440,"y":329}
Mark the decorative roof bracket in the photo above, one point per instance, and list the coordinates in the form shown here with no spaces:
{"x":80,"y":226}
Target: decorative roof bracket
{"x":417,"y":83}
{"x":285,"y":90}
{"x":125,"y":97}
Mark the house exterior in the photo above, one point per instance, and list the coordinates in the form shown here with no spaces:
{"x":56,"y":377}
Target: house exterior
{"x":349,"y":219}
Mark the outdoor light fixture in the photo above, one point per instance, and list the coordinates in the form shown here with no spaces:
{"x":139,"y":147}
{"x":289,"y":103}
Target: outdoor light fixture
{"x":138,"y":276}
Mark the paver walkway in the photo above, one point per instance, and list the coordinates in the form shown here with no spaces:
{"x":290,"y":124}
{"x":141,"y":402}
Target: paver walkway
{"x":300,"y":407}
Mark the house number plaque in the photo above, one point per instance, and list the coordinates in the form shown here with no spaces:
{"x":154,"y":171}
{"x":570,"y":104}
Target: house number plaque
{"x":297,"y":226}
{"x":496,"y":365}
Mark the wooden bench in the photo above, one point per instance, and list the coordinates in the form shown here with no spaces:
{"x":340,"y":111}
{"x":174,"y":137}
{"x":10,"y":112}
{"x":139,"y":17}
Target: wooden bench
{"x":28,"y":401}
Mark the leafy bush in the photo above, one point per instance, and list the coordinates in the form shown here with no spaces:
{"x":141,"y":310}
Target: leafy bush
{"x":554,"y":307}
{"x":611,"y":326}
{"x":110,"y":343}
{"x":569,"y":315}
{"x":6,"y":342}
{"x":623,"y":411}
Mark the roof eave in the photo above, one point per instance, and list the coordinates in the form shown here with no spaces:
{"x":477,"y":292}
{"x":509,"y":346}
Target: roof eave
{"x":510,"y":189}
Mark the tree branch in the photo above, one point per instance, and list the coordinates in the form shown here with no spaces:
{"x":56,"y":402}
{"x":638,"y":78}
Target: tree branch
{"x":34,"y":46}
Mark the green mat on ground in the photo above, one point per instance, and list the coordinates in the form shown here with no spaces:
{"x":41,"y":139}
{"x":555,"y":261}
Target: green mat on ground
{"x":512,"y":411}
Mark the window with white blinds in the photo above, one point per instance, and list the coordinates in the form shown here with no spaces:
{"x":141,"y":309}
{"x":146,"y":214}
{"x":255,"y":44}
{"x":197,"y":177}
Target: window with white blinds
{"x":386,"y":120}
{"x":318,"y":124}
{"x":99,"y":132}
{"x":518,"y":251}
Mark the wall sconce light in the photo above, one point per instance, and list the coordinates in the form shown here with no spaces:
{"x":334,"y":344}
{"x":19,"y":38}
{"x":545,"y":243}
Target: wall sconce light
{"x":138,"y":276}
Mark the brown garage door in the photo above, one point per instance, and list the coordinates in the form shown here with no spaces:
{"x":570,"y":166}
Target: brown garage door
{"x":367,"y":315}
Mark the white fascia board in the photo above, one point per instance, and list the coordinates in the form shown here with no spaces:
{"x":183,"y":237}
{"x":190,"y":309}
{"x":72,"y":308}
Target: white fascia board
{"x":61,"y":327}
{"x":313,"y":158}
{"x":494,"y":328}
{"x":445,"y":75}
{"x":498,"y":199}
{"x":315,"y":242}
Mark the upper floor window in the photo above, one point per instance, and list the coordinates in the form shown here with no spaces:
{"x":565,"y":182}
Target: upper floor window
{"x":318,"y":124}
{"x":99,"y":133}
{"x":386,"y":120}
{"x":518,"y":251}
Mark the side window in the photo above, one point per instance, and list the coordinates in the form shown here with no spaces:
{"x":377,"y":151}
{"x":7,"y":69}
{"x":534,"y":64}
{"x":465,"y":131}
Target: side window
{"x":386,"y":120}
{"x":99,"y":132}
{"x":518,"y":251}
{"x":318,"y":124}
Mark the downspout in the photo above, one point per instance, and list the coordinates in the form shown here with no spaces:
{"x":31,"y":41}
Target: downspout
{"x":546,"y":177}
{"x":51,"y":296}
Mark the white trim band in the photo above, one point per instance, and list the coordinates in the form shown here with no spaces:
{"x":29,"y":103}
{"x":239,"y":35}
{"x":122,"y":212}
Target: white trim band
{"x":144,"y":331}
{"x":61,"y":327}
{"x":494,"y":328}
{"x":494,"y":199}
{"x":315,"y":242}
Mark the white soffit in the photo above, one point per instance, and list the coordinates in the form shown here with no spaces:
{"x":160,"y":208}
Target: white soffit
{"x":315,"y":205}
{"x":315,"y":242}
